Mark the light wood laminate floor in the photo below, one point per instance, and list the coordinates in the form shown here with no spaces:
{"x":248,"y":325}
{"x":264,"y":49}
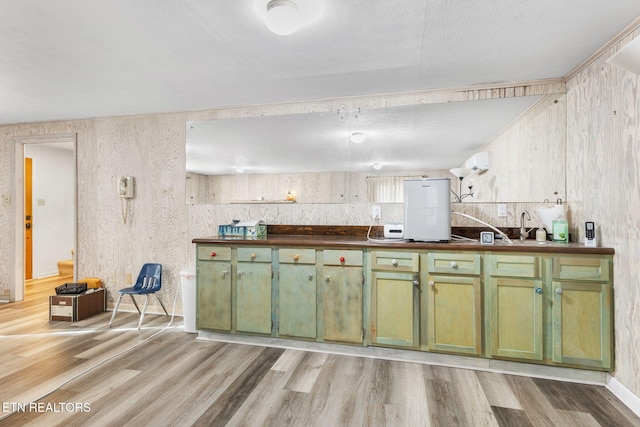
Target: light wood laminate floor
{"x":86,"y":374}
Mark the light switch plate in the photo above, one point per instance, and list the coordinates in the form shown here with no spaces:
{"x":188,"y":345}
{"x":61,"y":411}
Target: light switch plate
{"x":502,"y":210}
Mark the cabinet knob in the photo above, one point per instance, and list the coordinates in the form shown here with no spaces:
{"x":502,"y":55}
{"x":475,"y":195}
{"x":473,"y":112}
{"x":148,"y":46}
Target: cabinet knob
{"x":239,"y":273}
{"x":253,"y":256}
{"x":394,"y":263}
{"x":538,"y":290}
{"x":296,"y":257}
{"x":454,"y":264}
{"x":310,"y":277}
{"x":224,"y":273}
{"x":213,"y":254}
{"x":559,"y":291}
{"x":416,"y":282}
{"x":431,"y":283}
{"x":341,"y":259}
{"x":327,"y":278}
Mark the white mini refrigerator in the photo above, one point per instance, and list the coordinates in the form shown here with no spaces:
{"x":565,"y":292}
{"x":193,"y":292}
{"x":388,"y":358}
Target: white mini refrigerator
{"x":427,"y":209}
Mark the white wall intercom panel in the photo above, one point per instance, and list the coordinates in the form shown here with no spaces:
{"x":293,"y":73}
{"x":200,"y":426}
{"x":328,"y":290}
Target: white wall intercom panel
{"x":126,"y":186}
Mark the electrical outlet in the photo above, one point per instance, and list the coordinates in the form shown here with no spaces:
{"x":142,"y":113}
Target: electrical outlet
{"x":502,"y":210}
{"x":376,"y":212}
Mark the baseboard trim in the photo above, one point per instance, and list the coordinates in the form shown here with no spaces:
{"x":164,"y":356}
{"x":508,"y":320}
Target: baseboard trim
{"x":626,"y":396}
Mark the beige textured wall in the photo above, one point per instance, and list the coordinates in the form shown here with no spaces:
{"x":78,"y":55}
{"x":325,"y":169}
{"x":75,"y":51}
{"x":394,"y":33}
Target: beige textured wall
{"x":603,"y":180}
{"x":528,"y":157}
{"x":150,"y":148}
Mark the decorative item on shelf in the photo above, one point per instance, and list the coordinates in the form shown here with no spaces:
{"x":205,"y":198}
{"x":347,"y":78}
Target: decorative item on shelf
{"x":250,"y":230}
{"x":462,"y":173}
{"x":290,"y":197}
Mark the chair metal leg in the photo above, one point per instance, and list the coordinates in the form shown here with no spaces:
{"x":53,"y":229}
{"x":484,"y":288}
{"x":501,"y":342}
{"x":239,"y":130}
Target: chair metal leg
{"x":162,"y":305}
{"x":134,"y":302}
{"x":115,"y":310}
{"x":146,"y":301}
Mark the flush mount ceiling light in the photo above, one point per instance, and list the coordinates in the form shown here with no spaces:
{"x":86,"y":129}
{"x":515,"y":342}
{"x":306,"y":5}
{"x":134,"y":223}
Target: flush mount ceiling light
{"x":357,"y":137}
{"x":284,"y":17}
{"x":239,"y":169}
{"x":377,"y":166}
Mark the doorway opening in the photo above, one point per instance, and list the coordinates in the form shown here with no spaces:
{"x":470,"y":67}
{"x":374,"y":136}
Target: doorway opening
{"x":51,"y":227}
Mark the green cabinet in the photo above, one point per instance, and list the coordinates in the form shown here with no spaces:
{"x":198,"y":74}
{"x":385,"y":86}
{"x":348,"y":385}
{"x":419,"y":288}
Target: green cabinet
{"x":342,"y":296}
{"x":582,"y":325}
{"x":253,"y":290}
{"x":560,"y":314}
{"x":213,"y":295}
{"x":515,"y":306}
{"x":453,"y":303}
{"x":548,"y":308}
{"x":297,"y":302}
{"x":395,"y":296}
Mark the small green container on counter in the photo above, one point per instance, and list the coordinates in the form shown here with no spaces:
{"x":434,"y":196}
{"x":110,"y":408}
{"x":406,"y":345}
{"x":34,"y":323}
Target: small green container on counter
{"x":560,"y":231}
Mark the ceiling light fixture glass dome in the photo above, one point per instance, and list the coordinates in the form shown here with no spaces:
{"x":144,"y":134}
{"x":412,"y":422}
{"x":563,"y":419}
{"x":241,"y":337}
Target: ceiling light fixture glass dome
{"x":282,"y":17}
{"x":357,"y":137}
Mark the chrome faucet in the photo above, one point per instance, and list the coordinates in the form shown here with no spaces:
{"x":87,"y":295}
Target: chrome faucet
{"x":523,"y":229}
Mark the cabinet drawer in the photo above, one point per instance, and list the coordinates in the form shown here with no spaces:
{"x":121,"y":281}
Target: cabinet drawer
{"x":394,"y":261}
{"x":297,"y":256}
{"x":514,"y":265}
{"x":214,"y":253}
{"x":254,"y":254}
{"x":342,"y":257}
{"x":442,"y":262}
{"x":581,"y":268}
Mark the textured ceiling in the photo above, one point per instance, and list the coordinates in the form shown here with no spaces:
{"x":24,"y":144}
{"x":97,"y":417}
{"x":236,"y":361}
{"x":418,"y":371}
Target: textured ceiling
{"x":69,"y":59}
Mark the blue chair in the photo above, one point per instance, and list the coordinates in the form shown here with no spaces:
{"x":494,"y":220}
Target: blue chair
{"x":149,"y":282}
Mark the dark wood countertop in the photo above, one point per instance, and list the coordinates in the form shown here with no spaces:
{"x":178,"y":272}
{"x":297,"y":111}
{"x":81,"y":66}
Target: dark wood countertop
{"x":359,"y":242}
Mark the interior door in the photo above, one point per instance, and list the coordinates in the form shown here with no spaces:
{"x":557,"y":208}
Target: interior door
{"x":28,"y":220}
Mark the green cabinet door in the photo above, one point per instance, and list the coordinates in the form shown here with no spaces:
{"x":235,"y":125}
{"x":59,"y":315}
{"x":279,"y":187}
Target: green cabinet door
{"x":253,"y":297}
{"x":582,"y":329}
{"x":394,"y":315}
{"x":213,"y":308}
{"x":516,"y":322}
{"x":342,"y":304}
{"x":454,"y":314}
{"x":297,"y":300}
